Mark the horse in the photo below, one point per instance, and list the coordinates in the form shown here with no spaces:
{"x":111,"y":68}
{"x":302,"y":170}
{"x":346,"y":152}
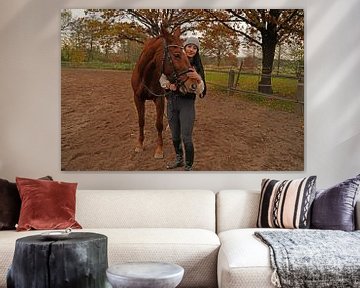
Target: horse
{"x":162,"y":54}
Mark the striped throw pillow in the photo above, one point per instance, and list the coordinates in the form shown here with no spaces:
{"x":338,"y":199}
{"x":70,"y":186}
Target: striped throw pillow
{"x":286,"y":204}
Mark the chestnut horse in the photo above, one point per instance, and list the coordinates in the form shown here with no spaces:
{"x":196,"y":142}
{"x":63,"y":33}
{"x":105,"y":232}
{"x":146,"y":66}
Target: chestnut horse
{"x":163,"y":54}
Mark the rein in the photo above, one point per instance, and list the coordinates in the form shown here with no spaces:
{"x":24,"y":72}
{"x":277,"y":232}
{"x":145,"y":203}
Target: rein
{"x":157,"y":95}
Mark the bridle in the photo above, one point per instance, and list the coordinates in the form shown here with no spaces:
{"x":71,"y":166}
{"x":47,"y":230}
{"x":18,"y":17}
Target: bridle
{"x":174,"y":77}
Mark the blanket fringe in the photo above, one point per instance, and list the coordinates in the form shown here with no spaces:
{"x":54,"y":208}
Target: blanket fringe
{"x":275,"y":280}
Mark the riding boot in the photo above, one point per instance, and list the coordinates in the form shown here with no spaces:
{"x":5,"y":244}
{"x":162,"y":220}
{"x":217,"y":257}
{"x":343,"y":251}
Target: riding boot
{"x":189,"y":156}
{"x":179,"y":161}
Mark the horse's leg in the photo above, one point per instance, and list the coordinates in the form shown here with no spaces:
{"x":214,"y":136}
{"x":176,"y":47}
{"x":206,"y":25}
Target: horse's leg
{"x":159,"y":103}
{"x":140,"y":107}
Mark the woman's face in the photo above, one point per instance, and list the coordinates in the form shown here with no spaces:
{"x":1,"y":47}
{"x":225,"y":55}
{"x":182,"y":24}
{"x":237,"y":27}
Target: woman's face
{"x":190,"y":50}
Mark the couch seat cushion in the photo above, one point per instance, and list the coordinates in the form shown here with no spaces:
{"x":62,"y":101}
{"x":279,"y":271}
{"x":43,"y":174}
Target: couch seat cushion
{"x":196,"y":250}
{"x":244,"y":261}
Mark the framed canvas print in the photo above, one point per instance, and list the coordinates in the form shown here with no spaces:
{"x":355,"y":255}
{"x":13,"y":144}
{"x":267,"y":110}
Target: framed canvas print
{"x":182,"y":90}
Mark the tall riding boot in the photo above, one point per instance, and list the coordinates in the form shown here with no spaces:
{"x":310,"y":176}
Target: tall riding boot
{"x":179,"y":161}
{"x":189,"y":156}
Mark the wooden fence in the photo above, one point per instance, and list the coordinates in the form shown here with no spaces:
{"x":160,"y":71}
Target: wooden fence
{"x":233,"y":82}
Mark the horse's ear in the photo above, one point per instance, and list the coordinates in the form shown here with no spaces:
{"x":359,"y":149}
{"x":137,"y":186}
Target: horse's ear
{"x":164,"y":29}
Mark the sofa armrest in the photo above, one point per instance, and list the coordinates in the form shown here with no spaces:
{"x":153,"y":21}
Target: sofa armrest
{"x":357,"y":215}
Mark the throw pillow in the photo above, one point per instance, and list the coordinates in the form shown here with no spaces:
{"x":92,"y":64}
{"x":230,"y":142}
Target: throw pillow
{"x":334,"y":208}
{"x":286,"y":204}
{"x":10,"y":204}
{"x":46,"y":204}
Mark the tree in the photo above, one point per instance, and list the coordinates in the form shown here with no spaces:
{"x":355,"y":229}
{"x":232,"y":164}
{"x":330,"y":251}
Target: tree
{"x":139,"y":24}
{"x":266,"y":28}
{"x":66,"y":18}
{"x":218,"y":42}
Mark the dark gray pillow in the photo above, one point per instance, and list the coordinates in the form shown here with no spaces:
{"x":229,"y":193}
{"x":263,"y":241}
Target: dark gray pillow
{"x":334,"y":208}
{"x":9,"y":205}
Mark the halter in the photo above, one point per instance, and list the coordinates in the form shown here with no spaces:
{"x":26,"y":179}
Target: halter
{"x":174,"y":77}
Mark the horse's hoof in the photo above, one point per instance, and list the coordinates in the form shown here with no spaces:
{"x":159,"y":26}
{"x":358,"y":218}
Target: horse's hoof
{"x":159,"y":155}
{"x":139,"y":149}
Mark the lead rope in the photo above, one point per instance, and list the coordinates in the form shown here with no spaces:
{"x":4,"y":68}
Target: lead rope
{"x":156,"y":95}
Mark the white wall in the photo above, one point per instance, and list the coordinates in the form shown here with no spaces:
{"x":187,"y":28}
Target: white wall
{"x":30,"y":95}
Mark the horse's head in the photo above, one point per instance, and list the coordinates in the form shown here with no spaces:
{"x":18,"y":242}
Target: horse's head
{"x":176,"y":65}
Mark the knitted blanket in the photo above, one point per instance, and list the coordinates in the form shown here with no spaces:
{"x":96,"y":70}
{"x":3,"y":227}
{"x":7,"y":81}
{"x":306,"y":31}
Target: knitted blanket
{"x":313,"y":258}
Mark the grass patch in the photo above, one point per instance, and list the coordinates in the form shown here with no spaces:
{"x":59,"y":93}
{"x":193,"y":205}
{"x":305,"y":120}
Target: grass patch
{"x":274,"y":104}
{"x":98,"y":65}
{"x":285,"y":87}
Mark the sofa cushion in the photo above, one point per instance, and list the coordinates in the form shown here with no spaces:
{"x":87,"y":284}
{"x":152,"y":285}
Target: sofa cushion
{"x":196,"y":250}
{"x":9,"y":205}
{"x":153,"y":209}
{"x":236,"y":209}
{"x":244,"y":260}
{"x":46,"y":204}
{"x":334,"y":208}
{"x":286,"y":204}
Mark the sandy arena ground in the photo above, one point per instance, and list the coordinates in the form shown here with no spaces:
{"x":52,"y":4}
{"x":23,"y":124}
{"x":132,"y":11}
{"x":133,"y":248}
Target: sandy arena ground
{"x":99,"y":130}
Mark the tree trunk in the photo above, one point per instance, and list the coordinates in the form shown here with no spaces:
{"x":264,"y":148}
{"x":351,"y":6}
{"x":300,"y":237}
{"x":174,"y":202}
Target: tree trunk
{"x":268,"y":52}
{"x":79,"y":261}
{"x":269,"y":40}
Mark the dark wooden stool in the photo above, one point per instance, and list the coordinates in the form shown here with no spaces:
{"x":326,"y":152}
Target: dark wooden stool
{"x":78,"y":261}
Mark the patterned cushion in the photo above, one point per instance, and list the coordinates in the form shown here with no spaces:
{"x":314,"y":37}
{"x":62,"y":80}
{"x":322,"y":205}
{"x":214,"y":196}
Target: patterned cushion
{"x":286,"y":204}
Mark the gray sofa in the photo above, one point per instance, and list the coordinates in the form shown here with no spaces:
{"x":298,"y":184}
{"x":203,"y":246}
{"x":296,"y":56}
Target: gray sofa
{"x":210,"y":235}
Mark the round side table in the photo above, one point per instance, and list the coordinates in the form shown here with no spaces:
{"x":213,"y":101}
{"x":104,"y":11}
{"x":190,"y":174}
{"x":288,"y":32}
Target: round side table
{"x":145,"y":275}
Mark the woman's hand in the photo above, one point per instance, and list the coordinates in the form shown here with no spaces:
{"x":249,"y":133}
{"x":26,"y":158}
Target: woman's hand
{"x":172,"y":87}
{"x":194,"y":75}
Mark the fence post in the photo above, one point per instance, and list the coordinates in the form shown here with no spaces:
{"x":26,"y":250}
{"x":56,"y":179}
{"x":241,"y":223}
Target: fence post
{"x":231,"y":81}
{"x":238,"y":75}
{"x":300,"y":92}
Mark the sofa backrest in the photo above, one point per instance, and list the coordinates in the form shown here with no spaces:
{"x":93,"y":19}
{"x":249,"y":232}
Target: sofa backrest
{"x":239,"y":209}
{"x":146,"y":209}
{"x":236,"y":209}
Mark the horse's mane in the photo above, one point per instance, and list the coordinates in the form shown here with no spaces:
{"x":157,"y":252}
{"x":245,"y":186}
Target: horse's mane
{"x":147,"y":56}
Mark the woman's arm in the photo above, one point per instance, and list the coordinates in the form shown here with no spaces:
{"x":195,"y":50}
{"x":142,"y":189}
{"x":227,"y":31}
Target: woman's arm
{"x":200,"y":83}
{"x":200,"y":87}
{"x":164,"y":82}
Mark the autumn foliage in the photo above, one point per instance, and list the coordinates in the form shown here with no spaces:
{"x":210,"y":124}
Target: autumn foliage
{"x":226,"y":35}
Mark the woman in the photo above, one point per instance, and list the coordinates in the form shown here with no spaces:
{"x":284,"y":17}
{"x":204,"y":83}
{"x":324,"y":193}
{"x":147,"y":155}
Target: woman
{"x":181,"y":108}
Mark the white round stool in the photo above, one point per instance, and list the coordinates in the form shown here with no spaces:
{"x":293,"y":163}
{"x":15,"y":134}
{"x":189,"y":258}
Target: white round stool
{"x":145,"y":275}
